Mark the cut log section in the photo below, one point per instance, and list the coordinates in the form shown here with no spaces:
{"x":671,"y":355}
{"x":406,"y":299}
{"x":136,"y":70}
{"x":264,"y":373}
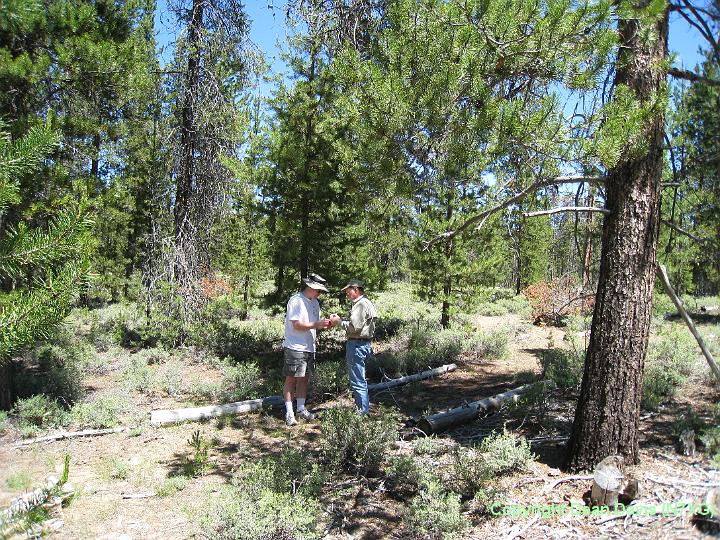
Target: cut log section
{"x":412,"y":378}
{"x":607,"y":481}
{"x":170,"y":416}
{"x":469,"y":411}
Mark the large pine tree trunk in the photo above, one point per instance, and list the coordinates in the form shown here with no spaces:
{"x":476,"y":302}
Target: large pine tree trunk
{"x":607,"y":416}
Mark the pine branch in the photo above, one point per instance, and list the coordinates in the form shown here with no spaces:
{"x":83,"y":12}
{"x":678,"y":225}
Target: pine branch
{"x":20,"y":158}
{"x":67,"y":237}
{"x":567,"y":209}
{"x":480,"y":219}
{"x":693,"y":77}
{"x":35,"y":312}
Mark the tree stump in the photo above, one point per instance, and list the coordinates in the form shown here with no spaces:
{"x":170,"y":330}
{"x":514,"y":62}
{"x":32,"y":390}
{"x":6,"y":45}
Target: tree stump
{"x":607,"y":479}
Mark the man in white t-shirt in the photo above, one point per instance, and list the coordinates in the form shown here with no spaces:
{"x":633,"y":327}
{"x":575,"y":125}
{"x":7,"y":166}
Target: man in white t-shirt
{"x":301,"y":325}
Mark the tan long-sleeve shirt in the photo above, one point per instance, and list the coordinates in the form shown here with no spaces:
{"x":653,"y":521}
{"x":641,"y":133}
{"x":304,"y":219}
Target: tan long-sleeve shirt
{"x":361,"y":324}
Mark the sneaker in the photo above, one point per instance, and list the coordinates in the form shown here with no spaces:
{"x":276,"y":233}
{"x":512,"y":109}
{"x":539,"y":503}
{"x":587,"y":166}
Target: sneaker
{"x":306,"y":415}
{"x":290,"y":419}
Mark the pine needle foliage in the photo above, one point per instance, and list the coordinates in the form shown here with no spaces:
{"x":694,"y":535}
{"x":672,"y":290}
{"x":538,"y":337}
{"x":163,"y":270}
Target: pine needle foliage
{"x":48,"y":266}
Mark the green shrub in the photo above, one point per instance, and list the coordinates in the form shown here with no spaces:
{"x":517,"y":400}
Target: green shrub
{"x":427,"y":446}
{"x":244,"y":513}
{"x":505,"y":452}
{"x":670,"y":360}
{"x":171,"y":485}
{"x":102,"y":412}
{"x":198,"y":460}
{"x":330,"y":378}
{"x":357,"y":443}
{"x":519,"y":305}
{"x":105,"y":321}
{"x":153,"y":355}
{"x":116,"y":468}
{"x":662,"y":305}
{"x":406,"y":475}
{"x":37,"y":413}
{"x":137,"y":376}
{"x":469,"y":471}
{"x":489,"y":345}
{"x":3,"y":421}
{"x":240,"y":381}
{"x":239,"y":340}
{"x":492,"y":310}
{"x":204,"y":391}
{"x":387,"y":364}
{"x":55,"y":368}
{"x":292,"y":471}
{"x":711,"y":440}
{"x":435,"y":514}
{"x":19,"y":481}
{"x":169,"y":377}
{"x":563,"y":367}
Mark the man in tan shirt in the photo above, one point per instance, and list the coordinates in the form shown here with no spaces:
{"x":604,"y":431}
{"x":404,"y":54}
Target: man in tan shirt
{"x":359,"y":331}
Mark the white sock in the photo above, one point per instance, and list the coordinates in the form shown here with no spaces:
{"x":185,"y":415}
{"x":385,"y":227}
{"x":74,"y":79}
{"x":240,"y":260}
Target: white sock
{"x":301,"y":404}
{"x":288,"y":407}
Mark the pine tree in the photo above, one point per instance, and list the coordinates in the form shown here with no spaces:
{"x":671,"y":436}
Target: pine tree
{"x":46,"y":267}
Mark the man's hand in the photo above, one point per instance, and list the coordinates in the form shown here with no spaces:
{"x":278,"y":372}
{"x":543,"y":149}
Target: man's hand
{"x":335,"y":319}
{"x":317,"y":325}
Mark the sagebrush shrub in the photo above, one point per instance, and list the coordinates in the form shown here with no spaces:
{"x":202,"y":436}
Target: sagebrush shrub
{"x":330,"y":378}
{"x":291,"y":471}
{"x":670,"y":360}
{"x":234,"y":513}
{"x":55,"y":369}
{"x":563,"y":367}
{"x":240,"y":381}
{"x":138,"y":375}
{"x":504,"y":452}
{"x":356,"y":443}
{"x":435,"y":514}
{"x":37,"y":413}
{"x":406,"y":475}
{"x":102,"y":412}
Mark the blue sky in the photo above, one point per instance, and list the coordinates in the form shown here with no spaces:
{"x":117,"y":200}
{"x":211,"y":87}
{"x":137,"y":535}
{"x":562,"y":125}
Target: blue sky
{"x":268,"y":32}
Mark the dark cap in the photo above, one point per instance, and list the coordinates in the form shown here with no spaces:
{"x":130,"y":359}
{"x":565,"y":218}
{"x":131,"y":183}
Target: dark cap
{"x":354,"y":283}
{"x":314,"y":281}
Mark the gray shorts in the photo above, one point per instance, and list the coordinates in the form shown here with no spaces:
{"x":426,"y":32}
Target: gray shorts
{"x":297,"y":363}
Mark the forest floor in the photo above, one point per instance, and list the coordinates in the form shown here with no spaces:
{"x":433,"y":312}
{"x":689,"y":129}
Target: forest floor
{"x":108,"y":471}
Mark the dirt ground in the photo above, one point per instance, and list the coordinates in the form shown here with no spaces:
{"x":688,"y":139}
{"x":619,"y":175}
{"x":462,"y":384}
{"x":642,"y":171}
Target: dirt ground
{"x":115,"y":475}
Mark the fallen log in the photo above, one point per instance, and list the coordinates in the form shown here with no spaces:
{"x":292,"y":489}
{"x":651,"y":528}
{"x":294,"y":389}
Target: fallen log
{"x":469,"y":411}
{"x":170,"y":416}
{"x":662,"y":274}
{"x":26,"y":502}
{"x":412,"y":378}
{"x":71,"y":435}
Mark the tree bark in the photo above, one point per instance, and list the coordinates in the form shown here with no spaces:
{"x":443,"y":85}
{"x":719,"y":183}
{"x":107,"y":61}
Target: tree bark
{"x":607,"y":416}
{"x":447,"y":278}
{"x":7,"y":388}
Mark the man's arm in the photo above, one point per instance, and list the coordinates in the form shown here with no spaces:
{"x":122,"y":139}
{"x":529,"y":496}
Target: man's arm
{"x":317,"y":325}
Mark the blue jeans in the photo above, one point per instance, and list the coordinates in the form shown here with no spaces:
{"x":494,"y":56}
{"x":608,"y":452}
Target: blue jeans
{"x":357,"y":352}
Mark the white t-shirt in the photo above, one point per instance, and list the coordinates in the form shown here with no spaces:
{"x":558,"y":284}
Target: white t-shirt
{"x":303,"y":309}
